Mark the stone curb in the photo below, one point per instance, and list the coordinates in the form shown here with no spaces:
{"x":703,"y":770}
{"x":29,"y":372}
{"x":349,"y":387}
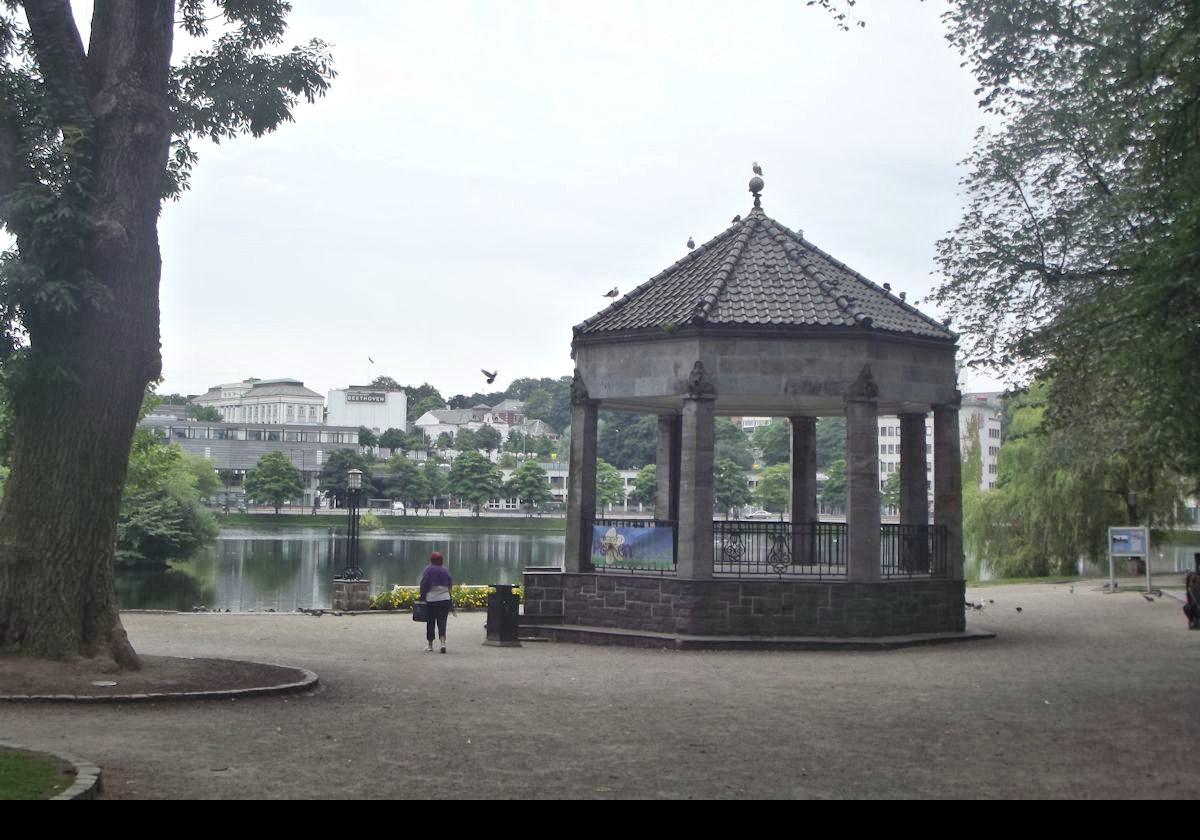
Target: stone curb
{"x":309,"y":680}
{"x":580,"y":634}
{"x":87,"y":775}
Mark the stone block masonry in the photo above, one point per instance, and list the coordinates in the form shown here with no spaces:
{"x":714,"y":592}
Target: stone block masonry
{"x":722,"y":607}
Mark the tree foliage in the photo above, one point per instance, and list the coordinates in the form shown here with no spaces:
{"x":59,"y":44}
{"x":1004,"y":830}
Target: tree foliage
{"x":487,"y":438}
{"x":408,"y":483}
{"x":645,"y":486}
{"x":1078,"y":254}
{"x":162,"y":517}
{"x":475,"y":480}
{"x":731,"y":443}
{"x":831,"y":441}
{"x":610,"y":487}
{"x":833,"y":490}
{"x":1057,"y":494}
{"x":627,"y":441}
{"x":775,"y":441}
{"x":529,"y":484}
{"x":730,"y":490}
{"x":774,"y":491}
{"x":333,"y":477}
{"x":204,"y":413}
{"x":274,"y":480}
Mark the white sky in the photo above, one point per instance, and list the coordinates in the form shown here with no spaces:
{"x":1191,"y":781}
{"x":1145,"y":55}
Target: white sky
{"x":481,"y":173}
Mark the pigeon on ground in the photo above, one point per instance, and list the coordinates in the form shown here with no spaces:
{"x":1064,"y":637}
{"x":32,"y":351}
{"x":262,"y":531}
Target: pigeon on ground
{"x":691,"y":243}
{"x":491,"y":377}
{"x":1018,"y":609}
{"x":1148,"y":598}
{"x":611,"y":293}
{"x":757,"y":169}
{"x":1072,"y":589}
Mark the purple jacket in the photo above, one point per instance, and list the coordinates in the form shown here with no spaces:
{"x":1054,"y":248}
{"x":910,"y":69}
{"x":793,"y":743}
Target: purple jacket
{"x":434,"y":576}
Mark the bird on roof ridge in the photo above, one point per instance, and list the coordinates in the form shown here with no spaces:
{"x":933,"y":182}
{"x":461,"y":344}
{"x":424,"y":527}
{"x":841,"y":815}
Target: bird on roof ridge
{"x":691,"y":243}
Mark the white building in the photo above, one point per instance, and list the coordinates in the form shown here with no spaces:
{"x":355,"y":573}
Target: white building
{"x":985,"y":409}
{"x":377,"y":409}
{"x":265,"y":401}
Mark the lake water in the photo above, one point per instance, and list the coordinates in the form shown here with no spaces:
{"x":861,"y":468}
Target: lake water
{"x":256,"y":569}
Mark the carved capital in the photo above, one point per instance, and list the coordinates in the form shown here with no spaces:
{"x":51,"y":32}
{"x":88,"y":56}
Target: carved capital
{"x":699,"y":386}
{"x":864,"y":387}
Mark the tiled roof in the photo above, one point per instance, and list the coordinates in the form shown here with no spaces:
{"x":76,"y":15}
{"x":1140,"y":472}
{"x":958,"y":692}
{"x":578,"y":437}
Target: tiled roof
{"x":760,"y":273}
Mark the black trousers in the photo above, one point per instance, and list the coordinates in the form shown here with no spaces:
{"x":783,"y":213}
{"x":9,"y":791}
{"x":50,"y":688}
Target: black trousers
{"x":438,"y":613}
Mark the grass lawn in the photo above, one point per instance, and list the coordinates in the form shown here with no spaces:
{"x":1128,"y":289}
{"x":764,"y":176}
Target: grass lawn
{"x":25,"y":775}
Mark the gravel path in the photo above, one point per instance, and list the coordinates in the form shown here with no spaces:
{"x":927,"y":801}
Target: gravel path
{"x":1082,"y":695}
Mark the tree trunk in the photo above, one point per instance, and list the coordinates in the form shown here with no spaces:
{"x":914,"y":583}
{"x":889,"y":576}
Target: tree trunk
{"x":76,"y":406}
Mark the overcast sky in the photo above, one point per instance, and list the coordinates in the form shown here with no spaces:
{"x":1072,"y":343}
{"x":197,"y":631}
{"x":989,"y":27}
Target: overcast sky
{"x":481,"y":173}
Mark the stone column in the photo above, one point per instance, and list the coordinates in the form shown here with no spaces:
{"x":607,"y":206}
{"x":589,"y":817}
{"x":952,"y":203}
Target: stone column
{"x":862,"y":479}
{"x":666,"y":470}
{"x":695,"y":536}
{"x":914,"y":494}
{"x":947,"y":483}
{"x":581,"y":480}
{"x":803,"y":487}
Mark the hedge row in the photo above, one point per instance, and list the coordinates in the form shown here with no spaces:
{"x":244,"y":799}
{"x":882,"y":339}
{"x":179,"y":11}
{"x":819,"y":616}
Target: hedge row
{"x":464,"y":597}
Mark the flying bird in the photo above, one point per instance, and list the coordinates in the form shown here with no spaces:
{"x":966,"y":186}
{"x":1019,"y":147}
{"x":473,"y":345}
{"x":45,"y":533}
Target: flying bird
{"x":691,"y":243}
{"x":491,"y":377}
{"x":757,"y":169}
{"x":611,"y":293}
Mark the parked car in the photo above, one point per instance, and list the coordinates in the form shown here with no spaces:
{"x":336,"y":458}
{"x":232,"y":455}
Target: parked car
{"x":760,"y":514}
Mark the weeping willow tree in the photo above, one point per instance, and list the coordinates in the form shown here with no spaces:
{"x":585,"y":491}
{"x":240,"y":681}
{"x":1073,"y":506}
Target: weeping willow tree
{"x":1057,"y":493}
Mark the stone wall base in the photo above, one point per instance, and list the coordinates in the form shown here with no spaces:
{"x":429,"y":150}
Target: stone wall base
{"x":351,"y":595}
{"x":658,"y":604}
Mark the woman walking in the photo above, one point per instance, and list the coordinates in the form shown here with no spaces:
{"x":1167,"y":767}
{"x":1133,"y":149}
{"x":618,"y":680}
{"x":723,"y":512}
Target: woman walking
{"x":435,"y":591}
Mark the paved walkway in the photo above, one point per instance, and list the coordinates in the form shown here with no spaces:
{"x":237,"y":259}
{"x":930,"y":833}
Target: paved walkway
{"x":1081,"y":695}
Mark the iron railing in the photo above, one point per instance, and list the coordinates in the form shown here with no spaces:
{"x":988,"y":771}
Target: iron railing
{"x":782,"y":549}
{"x":616,"y":556}
{"x":909,"y":551}
{"x":817,"y":550}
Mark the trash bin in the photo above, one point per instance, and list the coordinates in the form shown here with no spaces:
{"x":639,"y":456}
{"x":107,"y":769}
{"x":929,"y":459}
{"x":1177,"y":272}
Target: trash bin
{"x":502,"y":621}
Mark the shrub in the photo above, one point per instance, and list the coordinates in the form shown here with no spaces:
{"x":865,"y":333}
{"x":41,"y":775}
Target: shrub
{"x":464,"y":597}
{"x":369,"y":522}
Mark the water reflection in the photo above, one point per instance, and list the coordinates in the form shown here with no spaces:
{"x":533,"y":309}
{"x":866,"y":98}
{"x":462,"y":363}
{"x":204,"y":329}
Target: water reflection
{"x":250,"y":569}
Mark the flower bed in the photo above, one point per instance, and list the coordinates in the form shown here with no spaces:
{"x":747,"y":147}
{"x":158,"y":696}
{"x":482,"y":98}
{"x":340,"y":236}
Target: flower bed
{"x":464,"y":597}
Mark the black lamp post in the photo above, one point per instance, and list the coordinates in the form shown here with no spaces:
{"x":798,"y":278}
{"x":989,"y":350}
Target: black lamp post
{"x":351,"y":571}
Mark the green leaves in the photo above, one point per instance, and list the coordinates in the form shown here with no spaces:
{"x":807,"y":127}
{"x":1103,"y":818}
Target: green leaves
{"x":274,"y":480}
{"x":1078,"y":253}
{"x":474,"y":479}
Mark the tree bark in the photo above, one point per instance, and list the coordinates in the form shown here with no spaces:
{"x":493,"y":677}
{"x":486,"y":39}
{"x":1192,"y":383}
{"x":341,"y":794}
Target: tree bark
{"x":76,"y":407}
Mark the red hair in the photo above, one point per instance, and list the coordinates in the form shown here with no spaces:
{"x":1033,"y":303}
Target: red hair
{"x":436,"y":558}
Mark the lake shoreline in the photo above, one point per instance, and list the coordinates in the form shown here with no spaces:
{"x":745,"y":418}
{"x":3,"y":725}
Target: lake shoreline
{"x":388,"y":523}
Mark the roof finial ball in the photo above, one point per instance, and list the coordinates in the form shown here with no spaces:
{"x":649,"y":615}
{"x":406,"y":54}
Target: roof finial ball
{"x":756,"y":184}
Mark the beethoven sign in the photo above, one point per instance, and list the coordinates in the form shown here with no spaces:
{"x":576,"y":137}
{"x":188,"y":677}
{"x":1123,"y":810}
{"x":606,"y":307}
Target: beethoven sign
{"x":366,"y":396}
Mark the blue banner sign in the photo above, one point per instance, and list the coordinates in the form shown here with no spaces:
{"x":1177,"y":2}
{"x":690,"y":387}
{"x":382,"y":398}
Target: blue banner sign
{"x":623,"y":547}
{"x":1128,"y":542}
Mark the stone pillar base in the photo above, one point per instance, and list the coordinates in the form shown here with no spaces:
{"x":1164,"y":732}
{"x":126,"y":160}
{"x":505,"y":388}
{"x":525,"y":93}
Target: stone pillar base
{"x":351,"y":595}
